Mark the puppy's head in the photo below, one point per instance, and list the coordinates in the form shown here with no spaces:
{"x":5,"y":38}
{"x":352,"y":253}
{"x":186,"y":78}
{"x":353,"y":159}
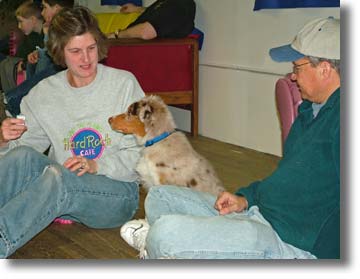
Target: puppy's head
{"x":146,"y":118}
{"x":127,"y":123}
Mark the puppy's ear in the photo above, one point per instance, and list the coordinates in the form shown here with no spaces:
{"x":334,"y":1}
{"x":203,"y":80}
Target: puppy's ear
{"x":133,"y":109}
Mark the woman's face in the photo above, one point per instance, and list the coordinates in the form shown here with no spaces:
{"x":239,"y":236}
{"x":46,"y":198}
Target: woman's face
{"x":81,"y":58}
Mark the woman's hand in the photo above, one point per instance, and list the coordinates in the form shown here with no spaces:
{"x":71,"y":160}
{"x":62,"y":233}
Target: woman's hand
{"x":227,"y":203}
{"x":11,"y":129}
{"x":81,"y":164}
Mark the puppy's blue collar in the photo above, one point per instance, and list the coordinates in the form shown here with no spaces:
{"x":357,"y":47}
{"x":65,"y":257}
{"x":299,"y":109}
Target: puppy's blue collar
{"x":157,"y":139}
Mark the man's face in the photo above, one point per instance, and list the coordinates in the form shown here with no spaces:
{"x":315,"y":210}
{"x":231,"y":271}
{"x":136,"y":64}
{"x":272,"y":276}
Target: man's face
{"x":307,"y":79}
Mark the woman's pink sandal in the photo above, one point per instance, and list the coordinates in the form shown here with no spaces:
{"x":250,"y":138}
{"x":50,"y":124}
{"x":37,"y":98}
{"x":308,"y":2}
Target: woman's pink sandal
{"x":63,"y":221}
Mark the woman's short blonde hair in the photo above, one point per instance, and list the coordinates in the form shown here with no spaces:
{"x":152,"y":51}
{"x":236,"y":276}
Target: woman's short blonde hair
{"x":69,"y":23}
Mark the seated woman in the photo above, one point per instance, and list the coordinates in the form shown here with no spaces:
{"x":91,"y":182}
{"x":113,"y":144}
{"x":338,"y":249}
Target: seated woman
{"x":89,"y":174}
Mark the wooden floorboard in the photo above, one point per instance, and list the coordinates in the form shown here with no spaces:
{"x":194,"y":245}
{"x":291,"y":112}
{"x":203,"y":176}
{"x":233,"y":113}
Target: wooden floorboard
{"x":235,"y":165}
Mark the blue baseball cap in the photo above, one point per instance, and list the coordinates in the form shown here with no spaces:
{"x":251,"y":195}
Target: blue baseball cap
{"x":285,"y":54}
{"x":319,"y":38}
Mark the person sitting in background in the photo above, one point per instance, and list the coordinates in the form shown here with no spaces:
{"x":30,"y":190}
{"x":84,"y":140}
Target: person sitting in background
{"x":4,"y":47}
{"x":39,"y":64}
{"x":39,"y":59}
{"x":30,"y":22}
{"x":90,"y":181}
{"x":162,"y":19}
{"x":292,"y":214}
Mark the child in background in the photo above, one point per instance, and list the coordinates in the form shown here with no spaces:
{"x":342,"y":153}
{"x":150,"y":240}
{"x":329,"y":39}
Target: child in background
{"x":39,"y":65}
{"x":99,"y":190}
{"x":39,"y":60}
{"x":30,"y":22}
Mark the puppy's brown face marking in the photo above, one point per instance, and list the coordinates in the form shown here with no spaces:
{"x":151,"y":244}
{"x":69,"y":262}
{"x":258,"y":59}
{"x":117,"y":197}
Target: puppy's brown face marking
{"x":133,"y":109}
{"x":127,"y":124}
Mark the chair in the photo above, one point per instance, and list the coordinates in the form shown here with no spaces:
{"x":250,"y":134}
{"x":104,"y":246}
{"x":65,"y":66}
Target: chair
{"x":15,"y":37}
{"x":288,"y":99}
{"x":168,"y":68}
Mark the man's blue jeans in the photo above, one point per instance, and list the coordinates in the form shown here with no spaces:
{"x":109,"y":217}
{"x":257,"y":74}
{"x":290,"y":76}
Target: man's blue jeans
{"x":185,"y":225}
{"x":34,"y":190}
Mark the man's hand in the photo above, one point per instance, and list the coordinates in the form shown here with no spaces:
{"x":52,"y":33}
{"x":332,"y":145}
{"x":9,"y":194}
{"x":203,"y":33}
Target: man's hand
{"x":131,"y":8}
{"x":227,"y":203}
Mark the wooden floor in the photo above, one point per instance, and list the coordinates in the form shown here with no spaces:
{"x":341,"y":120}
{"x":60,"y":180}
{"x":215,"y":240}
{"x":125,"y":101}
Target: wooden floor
{"x":235,"y":165}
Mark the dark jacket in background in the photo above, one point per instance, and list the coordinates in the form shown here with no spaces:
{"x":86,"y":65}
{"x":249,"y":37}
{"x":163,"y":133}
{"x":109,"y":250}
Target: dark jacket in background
{"x":170,"y":18}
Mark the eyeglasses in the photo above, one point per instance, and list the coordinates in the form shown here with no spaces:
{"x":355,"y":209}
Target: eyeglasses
{"x":296,"y":67}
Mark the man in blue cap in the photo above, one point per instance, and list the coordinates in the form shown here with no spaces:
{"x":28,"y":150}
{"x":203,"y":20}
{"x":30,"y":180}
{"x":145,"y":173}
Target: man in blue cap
{"x":292,"y":214}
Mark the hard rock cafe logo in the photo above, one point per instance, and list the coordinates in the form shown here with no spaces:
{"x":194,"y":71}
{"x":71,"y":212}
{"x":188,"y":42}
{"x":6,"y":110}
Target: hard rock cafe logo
{"x":87,"y":142}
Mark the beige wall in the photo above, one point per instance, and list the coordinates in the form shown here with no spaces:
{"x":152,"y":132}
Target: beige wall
{"x":237,"y":77}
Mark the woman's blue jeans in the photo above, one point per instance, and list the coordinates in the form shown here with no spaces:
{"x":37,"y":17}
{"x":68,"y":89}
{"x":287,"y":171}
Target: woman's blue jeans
{"x":185,"y":225}
{"x":34,"y":190}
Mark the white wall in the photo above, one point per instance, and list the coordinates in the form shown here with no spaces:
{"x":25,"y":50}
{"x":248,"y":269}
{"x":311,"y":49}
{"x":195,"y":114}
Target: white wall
{"x":237,"y":76}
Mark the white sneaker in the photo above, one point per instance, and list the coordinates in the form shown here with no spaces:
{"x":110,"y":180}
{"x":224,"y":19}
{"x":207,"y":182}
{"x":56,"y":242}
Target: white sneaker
{"x":134,"y":233}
